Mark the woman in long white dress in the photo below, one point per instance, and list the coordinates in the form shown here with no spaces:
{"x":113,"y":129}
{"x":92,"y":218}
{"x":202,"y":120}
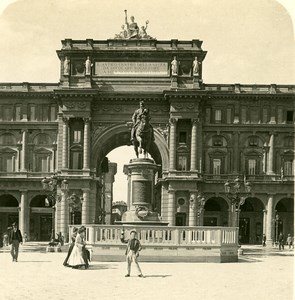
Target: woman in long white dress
{"x":76,"y":258}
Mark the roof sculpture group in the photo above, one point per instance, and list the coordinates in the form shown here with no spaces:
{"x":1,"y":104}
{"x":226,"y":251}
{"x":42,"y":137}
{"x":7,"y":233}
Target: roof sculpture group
{"x":130,"y":30}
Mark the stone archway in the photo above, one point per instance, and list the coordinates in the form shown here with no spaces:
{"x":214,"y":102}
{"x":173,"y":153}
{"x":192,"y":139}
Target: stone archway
{"x":40,"y":219}
{"x":8,"y":211}
{"x":109,"y":138}
{"x":285,"y":210}
{"x":216,"y":212}
{"x":251,"y":222}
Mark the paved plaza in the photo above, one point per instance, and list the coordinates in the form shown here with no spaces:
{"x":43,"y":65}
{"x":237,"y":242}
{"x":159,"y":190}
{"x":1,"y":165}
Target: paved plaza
{"x":259,"y":274}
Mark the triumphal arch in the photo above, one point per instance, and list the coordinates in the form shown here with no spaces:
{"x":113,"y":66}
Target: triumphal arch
{"x":205,"y":135}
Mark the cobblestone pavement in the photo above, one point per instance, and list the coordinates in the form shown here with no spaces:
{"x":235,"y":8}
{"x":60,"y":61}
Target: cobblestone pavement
{"x":40,"y":275}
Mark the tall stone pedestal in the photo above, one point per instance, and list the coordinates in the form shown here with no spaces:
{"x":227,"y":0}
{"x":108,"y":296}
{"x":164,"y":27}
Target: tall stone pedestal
{"x":140,"y":198}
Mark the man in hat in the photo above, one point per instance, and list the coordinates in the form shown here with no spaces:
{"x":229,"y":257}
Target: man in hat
{"x":132,"y":251}
{"x":14,"y":238}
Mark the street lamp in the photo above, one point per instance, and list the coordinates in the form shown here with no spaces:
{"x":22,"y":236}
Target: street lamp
{"x":233,"y":192}
{"x":50,"y":186}
{"x":197,"y":203}
{"x":277,"y":222}
{"x":75,"y":203}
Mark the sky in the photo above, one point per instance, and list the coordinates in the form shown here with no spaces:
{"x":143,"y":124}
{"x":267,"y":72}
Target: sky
{"x":248,"y":41}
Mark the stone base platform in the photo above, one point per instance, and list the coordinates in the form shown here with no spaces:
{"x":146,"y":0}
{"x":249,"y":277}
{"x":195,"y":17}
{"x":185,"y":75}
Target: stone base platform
{"x":53,"y":249}
{"x":150,"y":253}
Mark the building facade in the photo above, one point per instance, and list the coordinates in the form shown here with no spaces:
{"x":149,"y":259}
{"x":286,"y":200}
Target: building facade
{"x":205,"y":134}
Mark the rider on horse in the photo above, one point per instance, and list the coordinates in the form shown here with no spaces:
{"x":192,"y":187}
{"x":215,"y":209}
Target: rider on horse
{"x":137,"y":117}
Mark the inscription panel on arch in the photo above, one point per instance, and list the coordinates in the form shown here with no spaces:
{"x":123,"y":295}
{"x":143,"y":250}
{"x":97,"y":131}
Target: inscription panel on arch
{"x":136,"y":69}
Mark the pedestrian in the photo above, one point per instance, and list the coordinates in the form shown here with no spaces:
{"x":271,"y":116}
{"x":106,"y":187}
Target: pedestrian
{"x":289,"y":241}
{"x":1,"y":241}
{"x":14,"y":238}
{"x":76,"y":259}
{"x":73,"y":238}
{"x":132,"y":251}
{"x":281,"y":241}
{"x":264,"y":240}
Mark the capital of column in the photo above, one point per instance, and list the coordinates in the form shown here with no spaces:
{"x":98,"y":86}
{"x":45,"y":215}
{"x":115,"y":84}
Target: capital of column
{"x":173,"y":121}
{"x":86,"y":120}
{"x":65,"y":120}
{"x":195,"y":121}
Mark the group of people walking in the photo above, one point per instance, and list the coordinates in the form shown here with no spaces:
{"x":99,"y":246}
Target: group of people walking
{"x":78,"y":256}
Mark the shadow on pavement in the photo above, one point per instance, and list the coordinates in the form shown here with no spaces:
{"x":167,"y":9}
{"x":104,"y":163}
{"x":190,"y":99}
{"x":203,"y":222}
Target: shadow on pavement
{"x":161,"y":276}
{"x":34,"y":261}
{"x":102,"y":267}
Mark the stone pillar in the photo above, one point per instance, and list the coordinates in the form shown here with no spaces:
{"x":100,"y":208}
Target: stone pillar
{"x":172,"y":146}
{"x":64,"y":222}
{"x":270,"y":155}
{"x":192,"y":215}
{"x":24,"y":151}
{"x":264,"y":221}
{"x":194,"y":145}
{"x":235,"y":158}
{"x":65,"y":163}
{"x":269,"y":218}
{"x":85,"y":207}
{"x":171,"y":207}
{"x":86,"y":144}
{"x":23,"y":212}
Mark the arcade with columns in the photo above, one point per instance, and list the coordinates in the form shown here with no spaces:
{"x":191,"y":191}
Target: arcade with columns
{"x":205,"y":135}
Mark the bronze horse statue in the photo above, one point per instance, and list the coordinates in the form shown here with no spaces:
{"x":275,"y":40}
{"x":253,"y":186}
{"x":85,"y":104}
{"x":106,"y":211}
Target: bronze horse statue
{"x":143,"y":137}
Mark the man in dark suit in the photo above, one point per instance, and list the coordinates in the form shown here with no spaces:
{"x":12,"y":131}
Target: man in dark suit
{"x":132,"y":251}
{"x":14,"y":238}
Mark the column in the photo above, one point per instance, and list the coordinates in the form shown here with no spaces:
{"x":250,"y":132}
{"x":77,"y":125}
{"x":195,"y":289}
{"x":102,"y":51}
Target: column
{"x":269,"y":218}
{"x":194,"y":145}
{"x":172,"y":146}
{"x":236,"y":158}
{"x":24,"y":151}
{"x":192,"y":214}
{"x":171,"y":207}
{"x":264,"y":221}
{"x":64,"y":222}
{"x":86,"y":144}
{"x":65,"y":150}
{"x":270,"y":155}
{"x":23,"y":213}
{"x":85,"y":207}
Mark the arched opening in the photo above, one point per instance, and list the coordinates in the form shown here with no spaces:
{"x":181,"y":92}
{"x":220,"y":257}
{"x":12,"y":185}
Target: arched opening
{"x":285,"y":210}
{"x":216,"y":212}
{"x":40,"y":219}
{"x":114,"y":143}
{"x":8,"y":212}
{"x":251,"y":221}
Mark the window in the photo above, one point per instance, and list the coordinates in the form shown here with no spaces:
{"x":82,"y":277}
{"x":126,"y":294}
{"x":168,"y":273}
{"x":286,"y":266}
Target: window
{"x":290,"y":116}
{"x":288,"y":167}
{"x":217,"y":116}
{"x":228,"y":115}
{"x":77,"y":136}
{"x":7,"y":163}
{"x":42,"y":163}
{"x":244,"y":115}
{"x":7,"y":139}
{"x":265,"y":115}
{"x":18,"y":115}
{"x":182,"y":163}
{"x":77,"y":160}
{"x":251,"y":166}
{"x":7,"y":113}
{"x":208,"y":115}
{"x":182,"y":137}
{"x":254,"y":116}
{"x":44,"y":112}
{"x":32,"y":113}
{"x":280,"y":115}
{"x":216,"y":166}
{"x":53,"y":116}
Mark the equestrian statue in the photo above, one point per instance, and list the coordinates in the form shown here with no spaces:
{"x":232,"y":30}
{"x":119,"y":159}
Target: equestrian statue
{"x":142,"y":132}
